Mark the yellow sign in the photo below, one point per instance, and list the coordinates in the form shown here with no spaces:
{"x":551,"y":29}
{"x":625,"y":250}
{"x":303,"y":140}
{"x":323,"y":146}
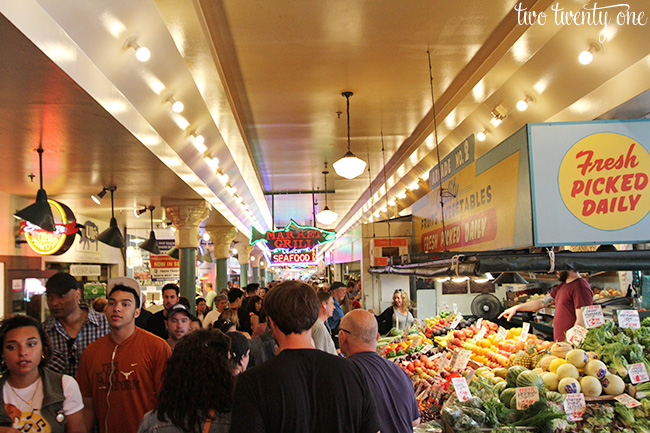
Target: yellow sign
{"x":603,"y":181}
{"x":479,"y":216}
{"x":58,"y":241}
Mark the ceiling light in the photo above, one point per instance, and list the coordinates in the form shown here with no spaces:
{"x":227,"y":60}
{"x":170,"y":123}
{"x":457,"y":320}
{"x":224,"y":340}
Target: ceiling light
{"x":174,"y":253}
{"x":522,"y":105}
{"x":401,"y":195}
{"x":326,"y":216}
{"x":177,"y":106}
{"x":391,"y":202}
{"x":206,"y":236}
{"x":198,"y":140}
{"x":138,"y":212}
{"x":97,"y":198}
{"x":498,"y":114}
{"x":151,"y":244}
{"x":587,"y":56}
{"x":234,"y":251}
{"x":112,"y":235}
{"x":39,"y":213}
{"x":212,"y":161}
{"x":349,"y":166}
{"x":141,"y":53}
{"x":482,"y":136}
{"x":207,"y":257}
{"x":415,"y":185}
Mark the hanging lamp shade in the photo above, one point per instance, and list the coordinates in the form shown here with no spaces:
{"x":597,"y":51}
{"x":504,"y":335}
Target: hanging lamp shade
{"x":207,"y":257}
{"x":112,"y":235}
{"x":174,"y":253}
{"x":349,"y":166}
{"x":151,"y":244}
{"x":510,"y":278}
{"x":326,"y":216}
{"x":39,"y":213}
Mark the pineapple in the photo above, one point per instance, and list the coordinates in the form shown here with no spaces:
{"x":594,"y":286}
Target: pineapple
{"x":537,"y":358}
{"x":524,"y":359}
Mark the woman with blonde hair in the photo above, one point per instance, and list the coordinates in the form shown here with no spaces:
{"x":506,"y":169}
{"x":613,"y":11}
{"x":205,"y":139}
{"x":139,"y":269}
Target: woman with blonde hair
{"x":398,"y":315}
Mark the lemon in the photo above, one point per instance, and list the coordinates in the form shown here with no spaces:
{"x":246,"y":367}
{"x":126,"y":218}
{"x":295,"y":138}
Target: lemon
{"x":555,"y":364}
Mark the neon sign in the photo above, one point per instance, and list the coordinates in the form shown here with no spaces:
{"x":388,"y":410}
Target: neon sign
{"x":56,"y":242}
{"x":293,"y":245}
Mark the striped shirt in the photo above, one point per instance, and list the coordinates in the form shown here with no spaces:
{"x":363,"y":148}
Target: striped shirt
{"x":66,"y":351}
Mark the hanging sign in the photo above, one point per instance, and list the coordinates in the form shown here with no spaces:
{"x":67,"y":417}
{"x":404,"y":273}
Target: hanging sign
{"x":293,"y":245}
{"x":52,"y":243}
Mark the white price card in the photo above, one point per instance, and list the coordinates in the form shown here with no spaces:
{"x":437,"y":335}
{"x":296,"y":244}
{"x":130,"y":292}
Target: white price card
{"x":480,"y":334}
{"x":502,"y":334}
{"x":442,"y":364}
{"x":524,"y":331}
{"x":426,"y":348}
{"x":479,"y":322}
{"x":638,"y":373}
{"x":593,"y":316}
{"x":460,"y":359}
{"x":574,"y":406}
{"x":576,"y":335}
{"x":526,"y":396}
{"x":456,"y":321}
{"x":462,"y":390}
{"x":627,"y":401}
{"x":629,"y":319}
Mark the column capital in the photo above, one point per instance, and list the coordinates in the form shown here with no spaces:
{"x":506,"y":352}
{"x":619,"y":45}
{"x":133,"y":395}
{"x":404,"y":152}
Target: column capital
{"x":244,"y":253}
{"x":187,"y":216}
{"x":221,"y":237}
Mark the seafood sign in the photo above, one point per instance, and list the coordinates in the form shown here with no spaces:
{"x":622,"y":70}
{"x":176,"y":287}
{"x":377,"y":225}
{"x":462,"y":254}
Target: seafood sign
{"x":293,"y":238}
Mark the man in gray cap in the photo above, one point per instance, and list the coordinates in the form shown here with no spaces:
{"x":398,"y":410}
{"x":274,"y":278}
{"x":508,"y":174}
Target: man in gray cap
{"x":178,"y":323}
{"x":72,"y":325}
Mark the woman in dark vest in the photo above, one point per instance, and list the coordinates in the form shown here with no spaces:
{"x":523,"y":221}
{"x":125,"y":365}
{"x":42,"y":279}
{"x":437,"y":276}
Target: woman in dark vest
{"x":35,"y":399}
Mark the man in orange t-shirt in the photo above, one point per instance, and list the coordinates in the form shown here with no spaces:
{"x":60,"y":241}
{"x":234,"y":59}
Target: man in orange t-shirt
{"x":121,"y":373}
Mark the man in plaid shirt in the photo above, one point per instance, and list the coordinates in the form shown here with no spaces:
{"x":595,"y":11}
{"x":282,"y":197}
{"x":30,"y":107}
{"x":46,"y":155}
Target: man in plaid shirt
{"x":72,"y":326}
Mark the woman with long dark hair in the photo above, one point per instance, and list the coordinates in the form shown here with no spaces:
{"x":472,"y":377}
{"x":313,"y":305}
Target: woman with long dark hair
{"x":34,"y":399}
{"x":196,"y":394}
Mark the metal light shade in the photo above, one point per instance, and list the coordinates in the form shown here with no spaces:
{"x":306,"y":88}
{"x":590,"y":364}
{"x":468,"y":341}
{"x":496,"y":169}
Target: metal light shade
{"x":207,"y":257}
{"x":174,"y":253}
{"x":38,"y":213}
{"x":326,"y":216}
{"x":349,"y":166}
{"x":510,"y":278}
{"x":112,"y":235}
{"x":151,"y":244}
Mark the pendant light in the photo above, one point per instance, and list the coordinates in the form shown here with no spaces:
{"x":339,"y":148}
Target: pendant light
{"x":349,"y":166}
{"x":112,"y":235}
{"x":39,"y":213}
{"x":151,"y":244}
{"x":326,"y":216}
{"x":207,"y":257}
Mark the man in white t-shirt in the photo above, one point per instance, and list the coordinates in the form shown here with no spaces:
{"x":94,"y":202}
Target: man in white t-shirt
{"x":320,"y":333}
{"x":220,"y":304}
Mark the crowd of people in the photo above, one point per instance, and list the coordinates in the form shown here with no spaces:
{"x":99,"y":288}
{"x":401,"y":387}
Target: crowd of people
{"x":290,"y":357}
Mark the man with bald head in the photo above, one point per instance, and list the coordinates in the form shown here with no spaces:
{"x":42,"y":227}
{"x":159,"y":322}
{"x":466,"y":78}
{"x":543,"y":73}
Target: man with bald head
{"x":391,"y":386}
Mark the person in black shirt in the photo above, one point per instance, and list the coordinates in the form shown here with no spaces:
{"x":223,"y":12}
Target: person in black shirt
{"x":301,"y":389}
{"x":156,"y":323}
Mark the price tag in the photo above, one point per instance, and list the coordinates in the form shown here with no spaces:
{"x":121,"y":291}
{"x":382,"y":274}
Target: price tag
{"x":526,"y":396}
{"x":481,"y":334}
{"x":629,"y":319}
{"x":442,"y":364}
{"x":627,"y":401}
{"x":574,"y":406}
{"x":593,"y":316}
{"x":638,"y":373}
{"x":479,"y":322}
{"x":502,"y":333}
{"x":576,"y":335}
{"x":456,"y":321}
{"x":524,"y":331}
{"x":427,"y":348}
{"x":461,"y":358}
{"x":462,"y":390}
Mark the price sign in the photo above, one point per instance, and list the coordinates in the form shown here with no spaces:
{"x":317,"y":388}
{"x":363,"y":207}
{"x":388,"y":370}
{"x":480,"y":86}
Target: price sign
{"x":456,"y":321}
{"x":638,"y":373}
{"x":479,"y":322}
{"x":524,"y":331}
{"x":627,"y":401}
{"x":442,"y":364}
{"x":629,"y":319}
{"x":575,"y":407}
{"x":481,"y":334}
{"x":426,"y":348}
{"x":460,"y":359}
{"x":593,"y":316}
{"x":502,"y":333}
{"x":526,"y":396}
{"x":462,"y":390}
{"x":576,"y":335}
